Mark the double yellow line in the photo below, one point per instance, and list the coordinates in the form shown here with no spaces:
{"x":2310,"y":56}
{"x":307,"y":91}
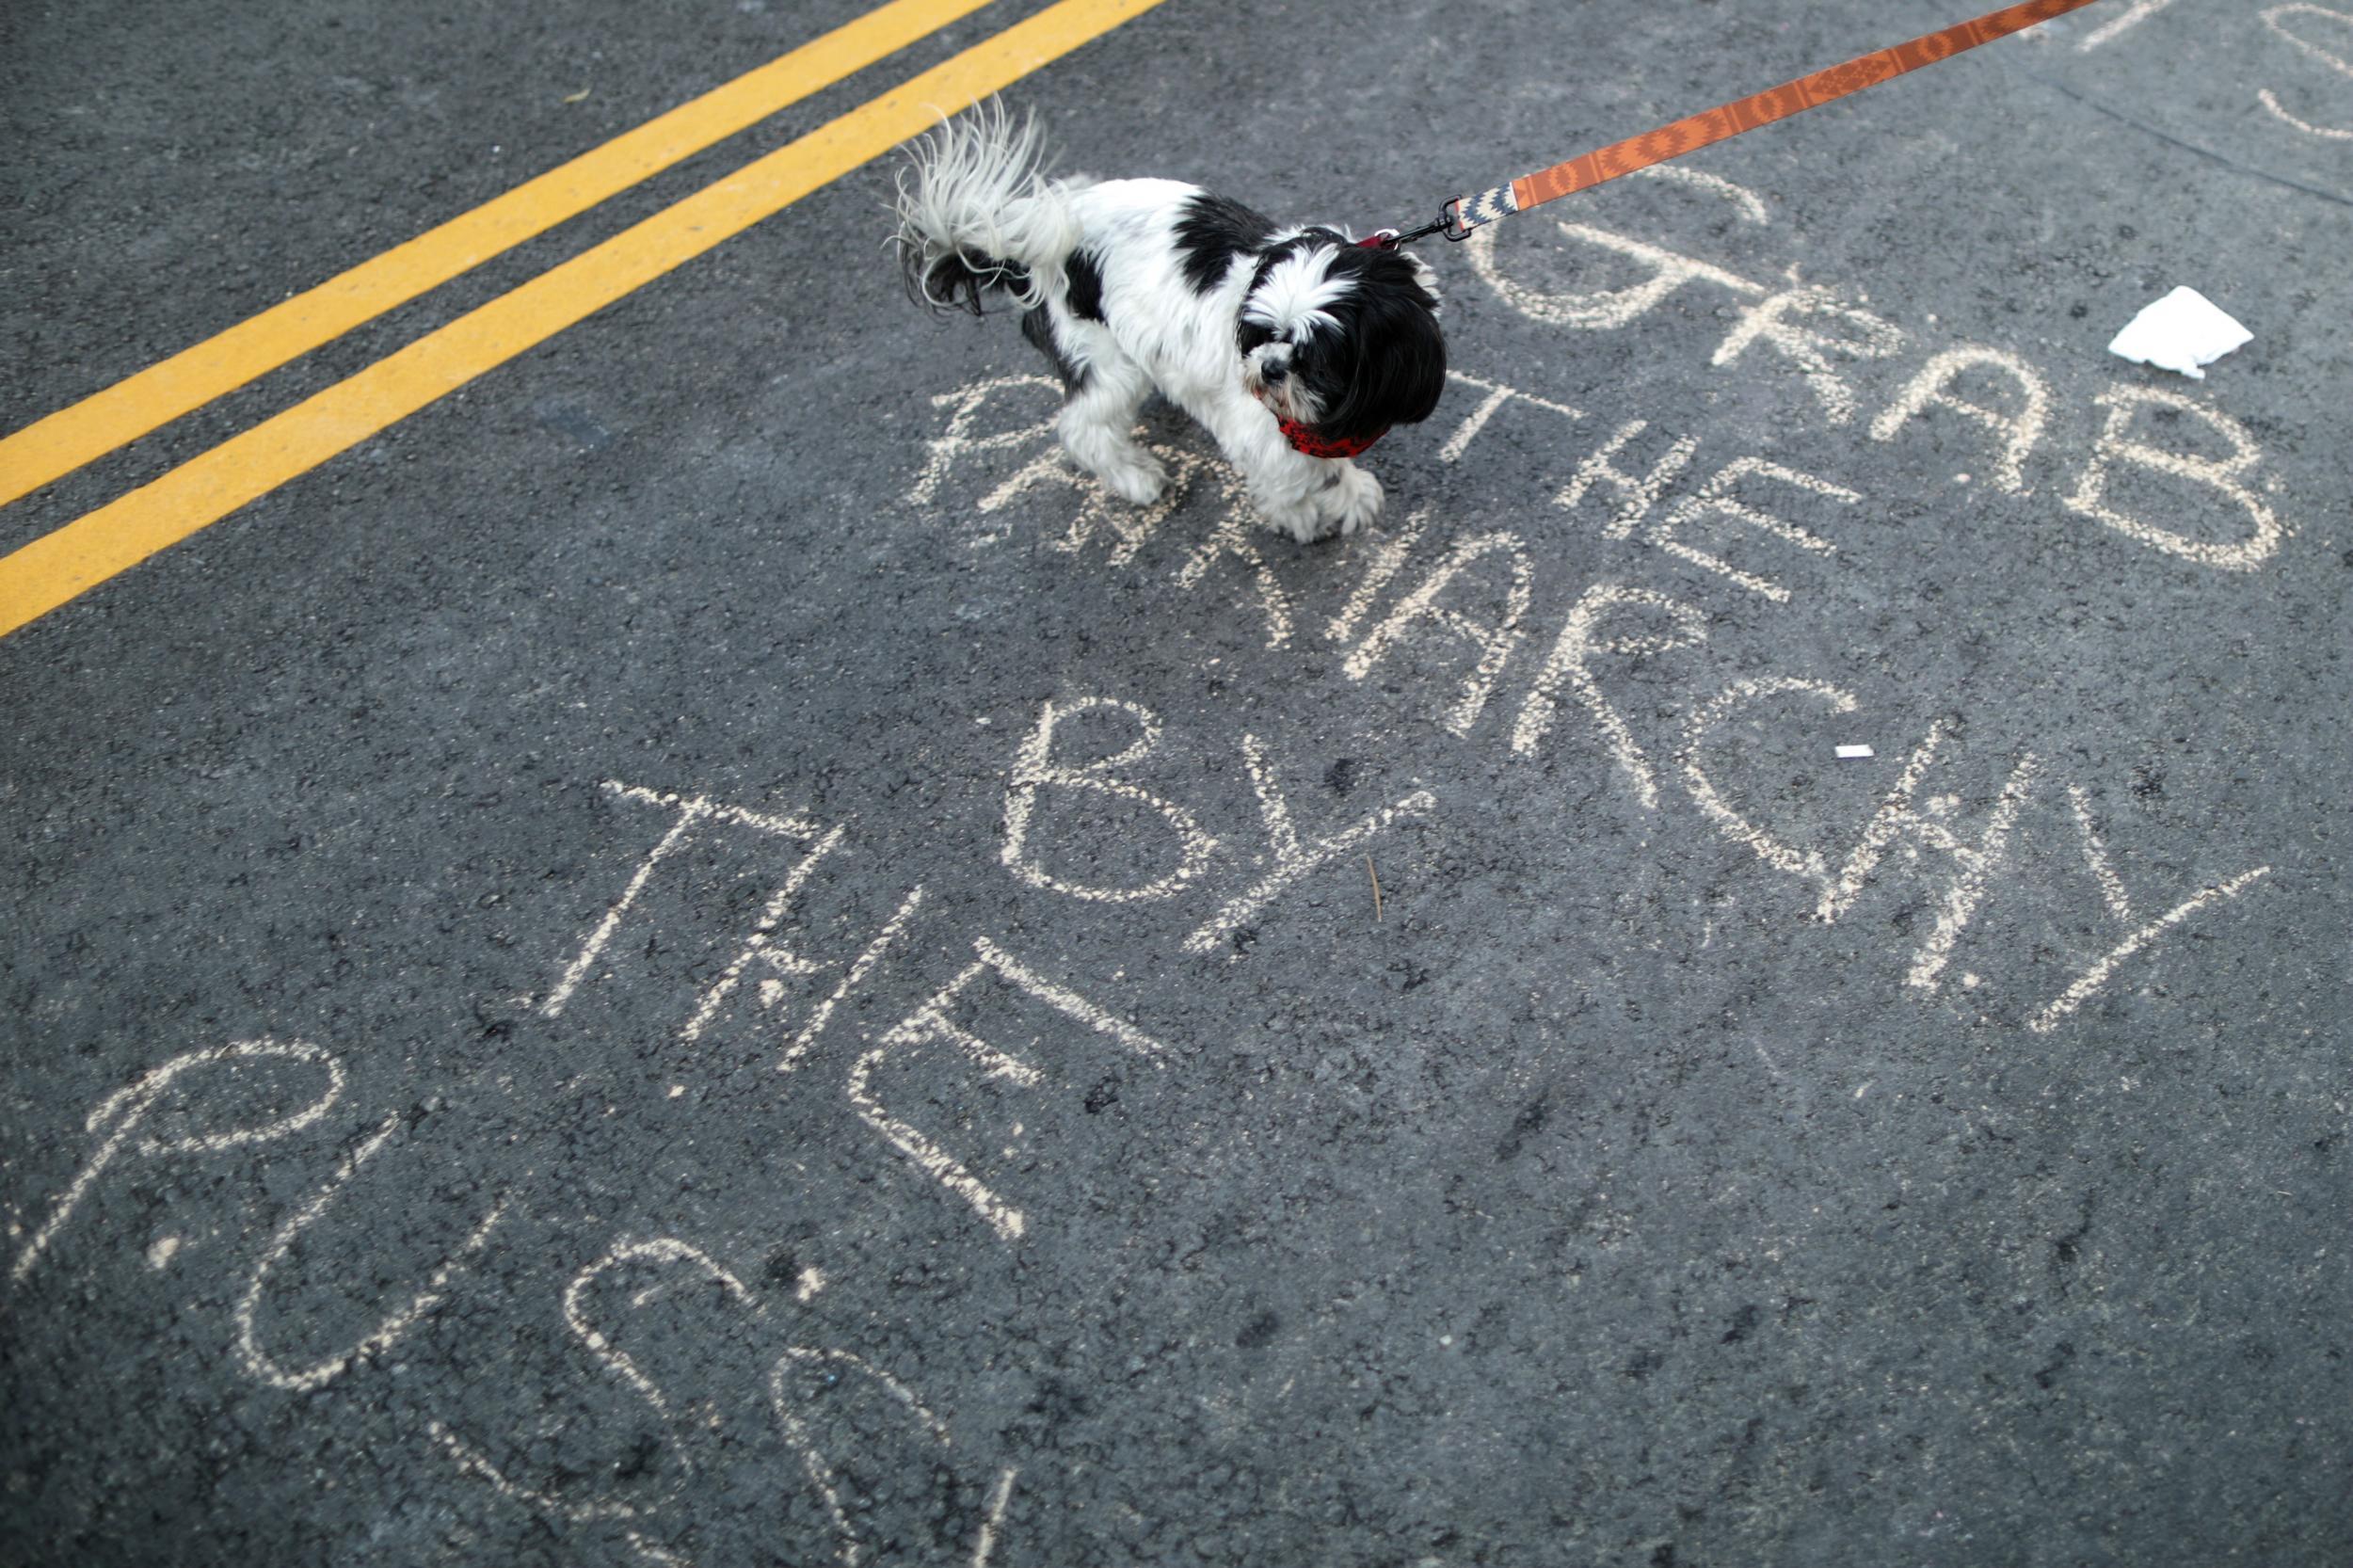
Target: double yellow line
{"x":58,"y":566}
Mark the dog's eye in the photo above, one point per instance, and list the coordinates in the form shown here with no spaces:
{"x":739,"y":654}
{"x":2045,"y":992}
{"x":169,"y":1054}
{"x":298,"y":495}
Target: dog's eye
{"x":1255,"y":337}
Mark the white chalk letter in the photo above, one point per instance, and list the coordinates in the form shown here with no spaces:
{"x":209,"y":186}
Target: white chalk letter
{"x":1716,"y":499}
{"x":1780,"y":856}
{"x":1291,"y":861}
{"x":1636,"y":496}
{"x":125,"y":1110}
{"x":1775,"y":322}
{"x":1035,"y":769}
{"x":261,"y":1364}
{"x":1569,"y":662}
{"x":2099,"y":975}
{"x":951,"y":445}
{"x":1932,"y":389}
{"x":1932,"y":829}
{"x":1609,"y":309}
{"x":2123,"y":404}
{"x":933,"y":1023}
{"x":1494,"y":641}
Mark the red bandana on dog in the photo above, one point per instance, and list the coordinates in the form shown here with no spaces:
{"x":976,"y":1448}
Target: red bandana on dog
{"x":1304,"y":438}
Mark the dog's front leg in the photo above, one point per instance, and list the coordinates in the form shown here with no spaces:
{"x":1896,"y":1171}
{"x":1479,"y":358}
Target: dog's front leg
{"x":1308,"y":498}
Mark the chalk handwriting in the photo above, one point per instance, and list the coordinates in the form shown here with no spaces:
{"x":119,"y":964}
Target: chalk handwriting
{"x":1499,"y":395}
{"x":125,"y":1112}
{"x":1783,"y":321}
{"x":692,"y":812}
{"x":2019,"y":431}
{"x":1899,"y":819}
{"x":264,"y":1367}
{"x":852,"y":978}
{"x":1234,"y":536}
{"x":770,"y":951}
{"x":1479,"y":593}
{"x":1492,"y":641}
{"x":1818,"y":332}
{"x":2118,"y":446}
{"x":957,"y":440}
{"x":1570,"y":664}
{"x":1456,"y":613}
{"x":2123,"y":22}
{"x":1191,"y":846}
{"x":1636,"y":493}
{"x":1035,"y":770}
{"x":1293,"y":862}
{"x":933,"y":1023}
{"x":2277,"y":18}
{"x":673,"y":1261}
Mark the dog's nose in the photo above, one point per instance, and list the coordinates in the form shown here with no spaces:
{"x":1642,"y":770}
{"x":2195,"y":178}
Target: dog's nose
{"x":1274,"y":374}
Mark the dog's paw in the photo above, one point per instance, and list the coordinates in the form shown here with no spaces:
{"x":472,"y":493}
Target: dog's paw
{"x":1113,"y":456}
{"x":1304,"y":521}
{"x":1350,"y":501}
{"x":1138,"y":478}
{"x":1125,"y":470}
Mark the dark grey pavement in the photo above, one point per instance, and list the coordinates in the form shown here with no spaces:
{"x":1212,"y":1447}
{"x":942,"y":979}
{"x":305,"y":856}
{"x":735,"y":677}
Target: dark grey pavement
{"x":696,"y":955}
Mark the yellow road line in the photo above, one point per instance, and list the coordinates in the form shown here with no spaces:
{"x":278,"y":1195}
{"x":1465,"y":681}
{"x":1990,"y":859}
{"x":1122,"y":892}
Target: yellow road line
{"x":56,"y":445}
{"x":55,"y":568}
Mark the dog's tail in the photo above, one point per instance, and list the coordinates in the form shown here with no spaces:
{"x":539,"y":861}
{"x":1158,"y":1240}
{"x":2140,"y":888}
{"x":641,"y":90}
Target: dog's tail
{"x":976,"y":212}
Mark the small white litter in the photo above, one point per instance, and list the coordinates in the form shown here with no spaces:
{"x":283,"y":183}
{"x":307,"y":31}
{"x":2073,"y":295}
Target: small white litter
{"x":2185,"y":331}
{"x":1850,"y":753}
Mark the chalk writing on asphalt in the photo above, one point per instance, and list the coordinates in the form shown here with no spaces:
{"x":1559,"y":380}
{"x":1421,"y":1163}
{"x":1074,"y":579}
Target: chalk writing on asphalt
{"x":1101,"y":809}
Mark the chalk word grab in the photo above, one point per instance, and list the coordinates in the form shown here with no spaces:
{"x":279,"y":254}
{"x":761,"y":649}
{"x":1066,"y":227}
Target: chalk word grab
{"x":1820,"y":332}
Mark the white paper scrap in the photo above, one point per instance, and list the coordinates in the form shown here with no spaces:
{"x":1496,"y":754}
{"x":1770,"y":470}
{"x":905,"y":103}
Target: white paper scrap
{"x":2185,"y":331}
{"x":1848,"y":753}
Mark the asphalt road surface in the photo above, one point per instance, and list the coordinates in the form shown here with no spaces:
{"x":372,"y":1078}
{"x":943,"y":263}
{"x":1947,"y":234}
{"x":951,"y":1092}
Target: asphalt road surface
{"x":640,"y":934}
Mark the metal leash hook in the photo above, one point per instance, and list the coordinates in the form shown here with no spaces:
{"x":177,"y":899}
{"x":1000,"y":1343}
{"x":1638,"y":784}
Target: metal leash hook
{"x":1449,"y":223}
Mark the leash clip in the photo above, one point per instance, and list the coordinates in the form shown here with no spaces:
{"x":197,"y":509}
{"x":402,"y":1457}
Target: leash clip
{"x":1449,"y":223}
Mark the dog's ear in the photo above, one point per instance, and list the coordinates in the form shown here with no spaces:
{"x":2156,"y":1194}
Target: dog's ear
{"x":1403,"y":369}
{"x":1393,"y":368}
{"x":1427,"y":276}
{"x":1389,"y":359}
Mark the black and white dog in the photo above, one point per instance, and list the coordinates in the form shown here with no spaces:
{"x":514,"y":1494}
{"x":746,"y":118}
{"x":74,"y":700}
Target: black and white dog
{"x":1296,"y":347}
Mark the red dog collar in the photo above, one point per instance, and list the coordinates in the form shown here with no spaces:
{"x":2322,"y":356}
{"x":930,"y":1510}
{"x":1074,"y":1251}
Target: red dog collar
{"x":1304,"y":438}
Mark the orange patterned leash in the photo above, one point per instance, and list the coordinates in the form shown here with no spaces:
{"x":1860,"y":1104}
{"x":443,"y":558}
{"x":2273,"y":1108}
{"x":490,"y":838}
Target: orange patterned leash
{"x":1467,"y":212}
